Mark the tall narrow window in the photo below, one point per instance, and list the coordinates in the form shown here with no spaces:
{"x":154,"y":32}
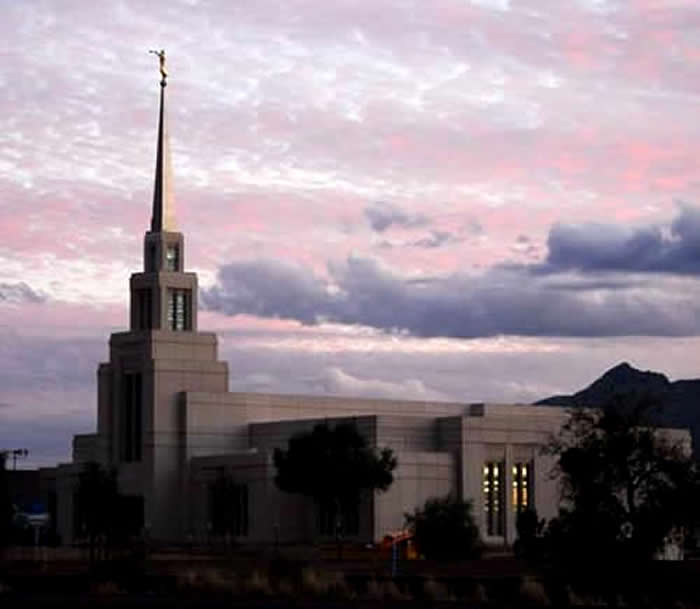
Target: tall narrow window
{"x":152,"y":263}
{"x":179,"y":314}
{"x":144,"y":303}
{"x":522,"y":492}
{"x":172,"y":258}
{"x":228,"y":507}
{"x":131,"y":418}
{"x":494,"y":497}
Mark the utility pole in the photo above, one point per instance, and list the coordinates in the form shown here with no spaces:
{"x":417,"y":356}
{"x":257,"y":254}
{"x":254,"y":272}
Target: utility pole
{"x":15,"y":453}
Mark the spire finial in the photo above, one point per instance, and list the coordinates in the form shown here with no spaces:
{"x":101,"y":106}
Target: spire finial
{"x":163,"y":218}
{"x":163,"y":70}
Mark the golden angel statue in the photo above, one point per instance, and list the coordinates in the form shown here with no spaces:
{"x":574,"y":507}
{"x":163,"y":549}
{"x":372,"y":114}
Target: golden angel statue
{"x":163,"y":69}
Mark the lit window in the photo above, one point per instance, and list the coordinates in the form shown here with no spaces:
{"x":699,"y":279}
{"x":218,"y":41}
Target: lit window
{"x":522,"y":491}
{"x":179,"y":310}
{"x":494,"y":504}
{"x":172,"y":258}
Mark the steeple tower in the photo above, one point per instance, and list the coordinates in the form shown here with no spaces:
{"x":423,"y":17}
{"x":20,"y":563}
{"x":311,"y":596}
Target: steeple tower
{"x":143,"y":388}
{"x":163,"y":296}
{"x":163,"y":217}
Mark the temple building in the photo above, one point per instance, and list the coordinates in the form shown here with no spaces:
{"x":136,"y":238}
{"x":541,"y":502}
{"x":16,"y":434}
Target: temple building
{"x":169,"y":427}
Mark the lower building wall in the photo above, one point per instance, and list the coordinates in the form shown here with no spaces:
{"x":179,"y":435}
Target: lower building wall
{"x":418,"y":476}
{"x":273,"y":516}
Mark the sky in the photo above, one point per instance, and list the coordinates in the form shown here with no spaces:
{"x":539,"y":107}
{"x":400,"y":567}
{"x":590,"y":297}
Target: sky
{"x":471,"y":200}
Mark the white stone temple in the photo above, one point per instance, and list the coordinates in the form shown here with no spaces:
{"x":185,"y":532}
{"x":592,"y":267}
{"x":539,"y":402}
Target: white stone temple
{"x":168,"y":425}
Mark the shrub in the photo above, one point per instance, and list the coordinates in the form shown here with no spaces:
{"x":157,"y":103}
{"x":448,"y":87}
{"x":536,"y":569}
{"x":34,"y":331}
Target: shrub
{"x":258,"y":584}
{"x":435,"y":591}
{"x":384,"y":591}
{"x":533,"y":593}
{"x":444,"y":529}
{"x":210,"y":580}
{"x":325,"y":585}
{"x":530,"y":529}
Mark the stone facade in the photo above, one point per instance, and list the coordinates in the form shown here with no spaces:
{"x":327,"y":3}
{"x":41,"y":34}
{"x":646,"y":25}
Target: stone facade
{"x":169,"y":427}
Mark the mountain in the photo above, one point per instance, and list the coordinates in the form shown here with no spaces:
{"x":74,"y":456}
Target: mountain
{"x":679,"y":401}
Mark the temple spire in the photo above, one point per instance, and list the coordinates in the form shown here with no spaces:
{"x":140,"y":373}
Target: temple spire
{"x":163,"y":217}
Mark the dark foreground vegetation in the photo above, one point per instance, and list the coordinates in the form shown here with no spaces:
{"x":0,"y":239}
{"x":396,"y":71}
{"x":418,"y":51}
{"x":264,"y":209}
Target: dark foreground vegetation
{"x":246,"y":578}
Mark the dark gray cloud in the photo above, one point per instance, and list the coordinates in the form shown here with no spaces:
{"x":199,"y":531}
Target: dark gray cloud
{"x":382,"y":215}
{"x":501,"y":301}
{"x":597,"y":280}
{"x":269,"y":288}
{"x":437,"y":238}
{"x":610,"y":247}
{"x":19,"y":293}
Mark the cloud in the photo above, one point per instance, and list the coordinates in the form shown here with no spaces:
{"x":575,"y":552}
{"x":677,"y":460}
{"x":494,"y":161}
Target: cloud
{"x":437,"y":238}
{"x":512,"y":301}
{"x":336,"y":381}
{"x":387,"y":367}
{"x":383,"y":215}
{"x":268,"y":288}
{"x":609,"y":247}
{"x":19,"y":293}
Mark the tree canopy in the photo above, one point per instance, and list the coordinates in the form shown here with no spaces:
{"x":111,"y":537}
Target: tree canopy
{"x":334,"y":466}
{"x":626,"y":483}
{"x":5,"y":503}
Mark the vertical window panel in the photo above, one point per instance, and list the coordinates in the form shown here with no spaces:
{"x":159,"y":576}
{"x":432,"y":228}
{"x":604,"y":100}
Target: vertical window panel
{"x":179,"y":310}
{"x":144,"y":304}
{"x":522,"y":490}
{"x":172,"y":258}
{"x":494,"y":497}
{"x":131,"y":428}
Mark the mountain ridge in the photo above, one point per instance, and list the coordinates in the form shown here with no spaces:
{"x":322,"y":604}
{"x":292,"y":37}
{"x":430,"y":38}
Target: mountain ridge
{"x":678,"y":401}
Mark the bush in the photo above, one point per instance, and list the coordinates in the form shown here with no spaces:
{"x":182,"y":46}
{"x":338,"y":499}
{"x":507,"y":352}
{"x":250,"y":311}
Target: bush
{"x":532,"y":592}
{"x":444,"y":529}
{"x":435,"y":591}
{"x":384,"y":591}
{"x":325,"y":585}
{"x":258,"y":585}
{"x":530,"y":530}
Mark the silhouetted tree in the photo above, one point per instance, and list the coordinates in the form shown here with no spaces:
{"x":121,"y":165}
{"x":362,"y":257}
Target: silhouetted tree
{"x":6,"y":511}
{"x":444,"y":529}
{"x":98,"y":505}
{"x":626,"y":484}
{"x":334,"y":466}
{"x":530,"y":530}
